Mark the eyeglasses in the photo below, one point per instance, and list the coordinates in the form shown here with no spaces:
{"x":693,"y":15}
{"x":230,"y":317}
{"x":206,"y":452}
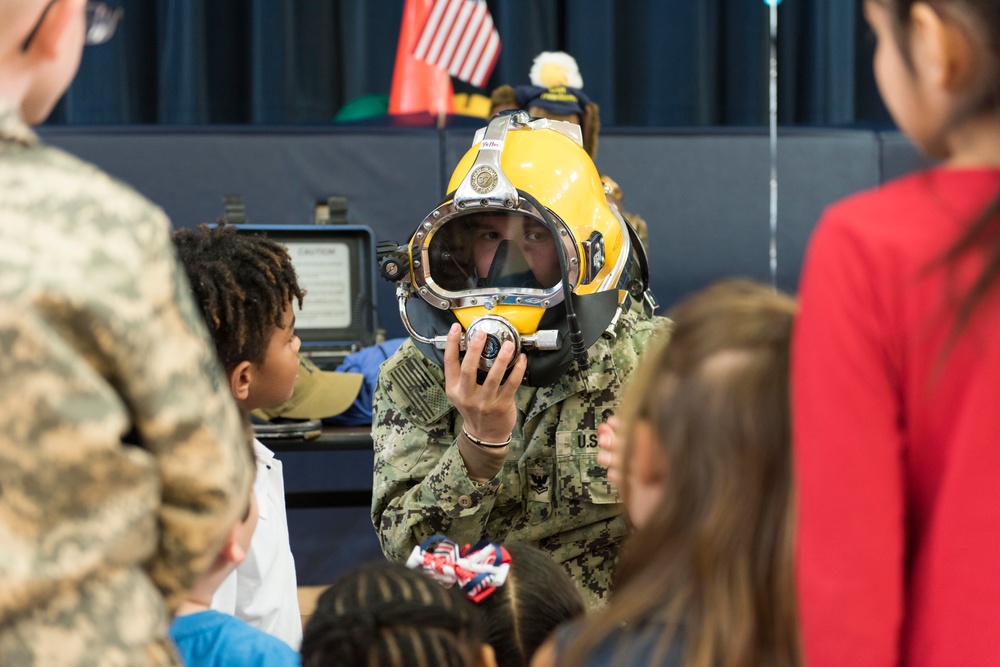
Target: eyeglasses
{"x":102,"y":21}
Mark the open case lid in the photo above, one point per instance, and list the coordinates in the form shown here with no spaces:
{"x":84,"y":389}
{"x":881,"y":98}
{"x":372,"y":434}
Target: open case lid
{"x":335,"y":265}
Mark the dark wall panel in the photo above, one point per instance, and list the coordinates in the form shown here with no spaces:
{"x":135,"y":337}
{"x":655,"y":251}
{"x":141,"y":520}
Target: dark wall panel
{"x":899,"y":156}
{"x":815,"y":170}
{"x":705,"y":201}
{"x":390,"y":177}
{"x":706,"y":196}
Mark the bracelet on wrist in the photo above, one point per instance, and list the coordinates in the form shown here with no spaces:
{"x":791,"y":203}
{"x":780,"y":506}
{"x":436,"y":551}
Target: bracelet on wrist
{"x":485,"y":443}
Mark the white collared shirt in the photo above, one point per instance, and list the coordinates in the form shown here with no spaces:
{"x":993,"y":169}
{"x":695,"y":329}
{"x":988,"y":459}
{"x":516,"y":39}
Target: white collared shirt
{"x":262,"y":591}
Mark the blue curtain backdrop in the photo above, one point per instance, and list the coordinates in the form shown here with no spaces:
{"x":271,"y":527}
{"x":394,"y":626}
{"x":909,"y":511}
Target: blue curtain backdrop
{"x":648,"y":63}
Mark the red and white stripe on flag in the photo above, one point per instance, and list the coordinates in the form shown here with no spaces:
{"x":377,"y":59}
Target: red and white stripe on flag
{"x":460,"y":37}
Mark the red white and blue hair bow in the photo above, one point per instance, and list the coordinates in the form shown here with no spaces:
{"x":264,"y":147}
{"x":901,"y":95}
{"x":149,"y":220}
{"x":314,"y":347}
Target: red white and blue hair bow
{"x":478,"y":570}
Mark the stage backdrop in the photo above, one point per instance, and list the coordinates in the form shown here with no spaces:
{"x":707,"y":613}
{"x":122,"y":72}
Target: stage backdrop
{"x":647,"y":63}
{"x":704,"y":193}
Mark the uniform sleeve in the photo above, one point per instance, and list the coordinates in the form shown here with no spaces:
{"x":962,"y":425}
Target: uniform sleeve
{"x":420,"y":485}
{"x":653,"y":331}
{"x":166,"y":371}
{"x":849,"y":560}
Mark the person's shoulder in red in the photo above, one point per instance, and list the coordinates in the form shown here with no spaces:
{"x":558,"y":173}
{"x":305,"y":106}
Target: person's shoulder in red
{"x":938,"y":192}
{"x":919,"y":214}
{"x":885,"y":207}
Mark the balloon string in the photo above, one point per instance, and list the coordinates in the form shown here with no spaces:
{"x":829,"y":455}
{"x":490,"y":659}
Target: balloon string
{"x":773,"y":109}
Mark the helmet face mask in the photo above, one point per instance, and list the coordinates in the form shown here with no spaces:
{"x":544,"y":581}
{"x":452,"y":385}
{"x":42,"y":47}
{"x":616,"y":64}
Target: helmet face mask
{"x":486,"y":255}
{"x":525,"y":233}
{"x":495,"y":250}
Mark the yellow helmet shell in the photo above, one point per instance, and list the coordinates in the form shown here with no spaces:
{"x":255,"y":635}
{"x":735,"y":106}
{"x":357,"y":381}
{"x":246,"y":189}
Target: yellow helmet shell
{"x":556,"y":170}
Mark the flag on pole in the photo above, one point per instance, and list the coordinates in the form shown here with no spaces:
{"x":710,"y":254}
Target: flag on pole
{"x":460,"y":38}
{"x":416,"y":85}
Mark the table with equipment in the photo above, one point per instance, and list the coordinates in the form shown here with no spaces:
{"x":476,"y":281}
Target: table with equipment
{"x":317,"y":469}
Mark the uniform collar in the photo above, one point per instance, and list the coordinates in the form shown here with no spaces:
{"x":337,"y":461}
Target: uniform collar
{"x":13,"y":129}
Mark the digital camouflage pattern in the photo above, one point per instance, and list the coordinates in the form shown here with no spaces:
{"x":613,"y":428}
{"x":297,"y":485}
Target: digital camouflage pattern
{"x":123,"y":457}
{"x":551,"y":492}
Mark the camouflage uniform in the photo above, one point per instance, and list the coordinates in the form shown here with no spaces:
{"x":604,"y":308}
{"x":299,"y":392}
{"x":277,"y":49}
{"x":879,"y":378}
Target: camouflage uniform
{"x":123,"y":458}
{"x":551,"y":492}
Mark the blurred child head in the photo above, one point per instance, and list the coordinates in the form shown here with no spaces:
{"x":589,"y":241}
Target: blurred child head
{"x":384,"y":614}
{"x":706,"y":476}
{"x":937,"y":65}
{"x":537,"y":597}
{"x":247,"y":289}
{"x":533,"y":597}
{"x":41,"y":44}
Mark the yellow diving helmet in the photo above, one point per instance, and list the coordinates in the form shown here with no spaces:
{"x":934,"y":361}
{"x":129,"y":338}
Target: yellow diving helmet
{"x":526,"y":215}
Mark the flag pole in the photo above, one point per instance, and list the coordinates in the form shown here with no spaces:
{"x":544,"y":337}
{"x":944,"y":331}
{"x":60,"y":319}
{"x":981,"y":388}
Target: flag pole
{"x":443,"y":90}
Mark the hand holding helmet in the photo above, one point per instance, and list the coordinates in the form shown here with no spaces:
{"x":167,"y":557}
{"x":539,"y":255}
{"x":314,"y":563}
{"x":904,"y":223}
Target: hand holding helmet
{"x":487,"y":409}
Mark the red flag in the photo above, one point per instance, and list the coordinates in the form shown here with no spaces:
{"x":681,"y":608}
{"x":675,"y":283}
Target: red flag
{"x":417,"y":85}
{"x":460,"y":38}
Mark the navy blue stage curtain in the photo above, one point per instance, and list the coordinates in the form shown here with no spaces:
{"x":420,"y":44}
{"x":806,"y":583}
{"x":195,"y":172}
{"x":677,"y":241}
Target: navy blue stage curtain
{"x":649,"y":63}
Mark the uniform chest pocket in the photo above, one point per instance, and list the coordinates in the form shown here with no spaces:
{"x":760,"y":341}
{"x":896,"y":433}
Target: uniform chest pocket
{"x":571,"y":483}
{"x":581,"y":479}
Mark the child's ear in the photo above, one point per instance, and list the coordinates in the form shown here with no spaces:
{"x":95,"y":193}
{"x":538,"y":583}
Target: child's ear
{"x":545,"y":655}
{"x":232,"y":551}
{"x":648,"y":463}
{"x":940,"y":47}
{"x":48,"y":41}
{"x":239,"y":380}
{"x":960,"y":54}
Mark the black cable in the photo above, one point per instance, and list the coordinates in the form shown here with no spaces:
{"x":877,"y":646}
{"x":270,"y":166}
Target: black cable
{"x":576,"y":340}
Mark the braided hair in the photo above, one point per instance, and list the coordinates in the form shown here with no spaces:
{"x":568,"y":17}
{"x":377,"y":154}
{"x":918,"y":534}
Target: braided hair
{"x":537,"y":597}
{"x":384,"y":614}
{"x":242,"y":282}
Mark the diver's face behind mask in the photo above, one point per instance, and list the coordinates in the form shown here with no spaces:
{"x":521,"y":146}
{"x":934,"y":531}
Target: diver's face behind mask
{"x":528,"y":215}
{"x":496,"y":250}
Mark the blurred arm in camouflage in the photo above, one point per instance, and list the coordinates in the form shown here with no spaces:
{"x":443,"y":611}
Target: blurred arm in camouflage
{"x":103,"y":349}
{"x":185,"y":415}
{"x":123,"y":461}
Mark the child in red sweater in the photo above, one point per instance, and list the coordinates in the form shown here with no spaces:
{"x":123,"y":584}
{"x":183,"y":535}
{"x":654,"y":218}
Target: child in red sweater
{"x":896,"y":368}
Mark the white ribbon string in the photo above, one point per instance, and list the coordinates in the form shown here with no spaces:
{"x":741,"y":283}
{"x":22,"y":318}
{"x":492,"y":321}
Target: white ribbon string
{"x":773,"y":113}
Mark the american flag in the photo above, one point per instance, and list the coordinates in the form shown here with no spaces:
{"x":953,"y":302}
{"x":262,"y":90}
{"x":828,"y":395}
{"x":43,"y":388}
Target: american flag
{"x":460,"y":37}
